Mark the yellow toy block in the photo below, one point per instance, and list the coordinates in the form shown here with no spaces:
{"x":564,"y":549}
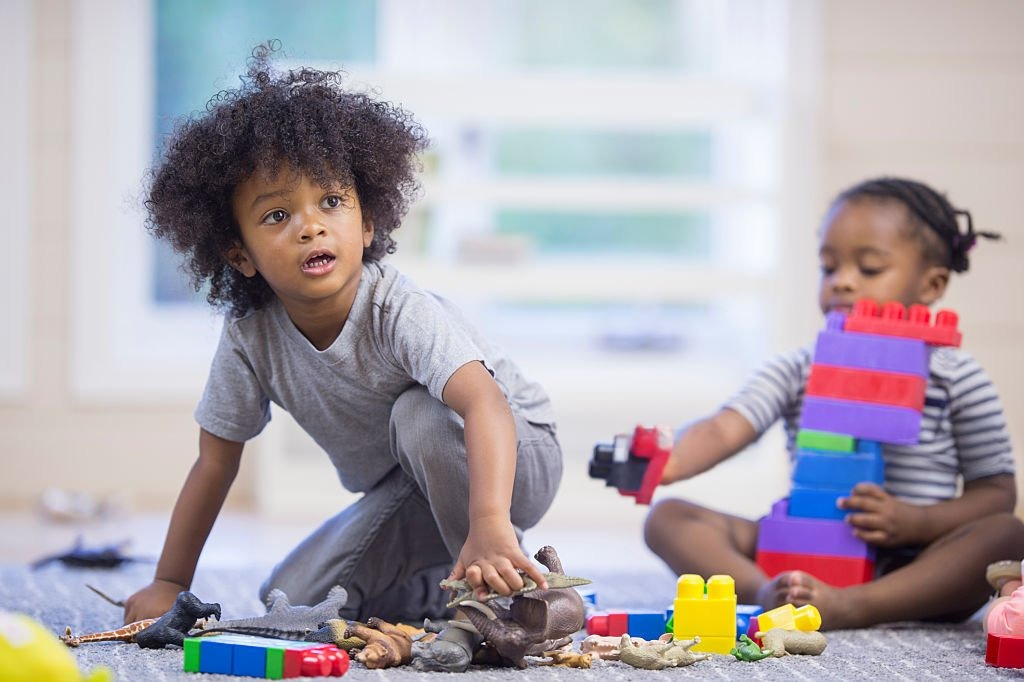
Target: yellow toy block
{"x":788,"y":617}
{"x":710,"y":615}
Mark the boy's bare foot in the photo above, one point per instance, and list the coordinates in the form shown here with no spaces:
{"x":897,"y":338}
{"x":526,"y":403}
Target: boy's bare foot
{"x":837,"y":610}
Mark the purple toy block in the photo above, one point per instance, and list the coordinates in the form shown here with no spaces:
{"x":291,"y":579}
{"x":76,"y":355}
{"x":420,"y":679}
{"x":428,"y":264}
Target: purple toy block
{"x":884,"y":423}
{"x":872,"y":352}
{"x":780,"y":532}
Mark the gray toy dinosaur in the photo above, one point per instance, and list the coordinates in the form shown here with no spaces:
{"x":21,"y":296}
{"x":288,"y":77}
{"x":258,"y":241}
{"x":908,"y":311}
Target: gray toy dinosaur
{"x":284,"y":621}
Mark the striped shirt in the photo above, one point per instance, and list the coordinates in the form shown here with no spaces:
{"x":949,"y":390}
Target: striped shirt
{"x":963,"y":430}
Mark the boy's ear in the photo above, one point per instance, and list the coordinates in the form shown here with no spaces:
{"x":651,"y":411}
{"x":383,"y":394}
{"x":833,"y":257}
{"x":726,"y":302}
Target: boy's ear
{"x":933,"y":284}
{"x":238,"y":258}
{"x":367,"y":233}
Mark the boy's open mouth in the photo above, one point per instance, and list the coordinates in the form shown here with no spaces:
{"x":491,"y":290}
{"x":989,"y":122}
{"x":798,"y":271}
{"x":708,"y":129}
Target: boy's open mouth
{"x":317,"y":261}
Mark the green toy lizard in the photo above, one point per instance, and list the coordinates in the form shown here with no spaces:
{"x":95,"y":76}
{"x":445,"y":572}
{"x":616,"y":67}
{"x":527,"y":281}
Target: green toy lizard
{"x":748,"y":650}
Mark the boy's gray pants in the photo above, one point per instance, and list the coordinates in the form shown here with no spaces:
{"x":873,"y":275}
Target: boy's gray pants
{"x":391,"y":547}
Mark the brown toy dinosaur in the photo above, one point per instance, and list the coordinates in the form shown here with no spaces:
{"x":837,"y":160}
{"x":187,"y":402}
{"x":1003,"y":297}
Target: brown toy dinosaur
{"x":535,"y":622}
{"x":125,"y":633}
{"x":386,"y":646}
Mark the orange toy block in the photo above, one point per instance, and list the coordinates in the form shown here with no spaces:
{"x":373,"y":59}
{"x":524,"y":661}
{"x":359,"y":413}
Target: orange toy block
{"x":706,"y":610}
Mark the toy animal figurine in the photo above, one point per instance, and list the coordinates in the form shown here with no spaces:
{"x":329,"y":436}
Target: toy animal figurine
{"x":568,"y":659}
{"x":125,"y":633}
{"x":386,"y":645}
{"x":659,"y":655}
{"x":284,"y":621}
{"x":782,"y":642}
{"x":175,"y":625}
{"x":79,"y":556}
{"x":534,"y":622}
{"x":333,"y":632}
{"x":451,"y":651}
{"x":464,"y":592}
{"x":605,"y":647}
{"x":748,"y":650}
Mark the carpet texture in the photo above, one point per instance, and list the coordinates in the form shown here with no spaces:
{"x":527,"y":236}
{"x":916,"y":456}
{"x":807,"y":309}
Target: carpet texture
{"x":57,"y":597}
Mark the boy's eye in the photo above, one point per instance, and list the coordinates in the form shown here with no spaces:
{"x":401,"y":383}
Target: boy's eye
{"x":332,"y":201}
{"x":275,"y":217}
{"x":870,"y":271}
{"x":827,"y":269}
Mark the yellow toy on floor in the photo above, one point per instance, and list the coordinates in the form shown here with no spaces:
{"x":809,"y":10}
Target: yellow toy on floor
{"x":30,"y":653}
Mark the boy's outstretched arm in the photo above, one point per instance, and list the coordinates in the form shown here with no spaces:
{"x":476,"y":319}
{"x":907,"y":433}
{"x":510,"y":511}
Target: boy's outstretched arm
{"x":881,"y":519}
{"x":707,"y":442}
{"x":491,"y":553}
{"x":198,"y":505}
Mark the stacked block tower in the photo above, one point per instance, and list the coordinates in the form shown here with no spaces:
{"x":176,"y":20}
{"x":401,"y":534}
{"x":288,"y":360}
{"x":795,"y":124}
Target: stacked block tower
{"x":866,"y":387}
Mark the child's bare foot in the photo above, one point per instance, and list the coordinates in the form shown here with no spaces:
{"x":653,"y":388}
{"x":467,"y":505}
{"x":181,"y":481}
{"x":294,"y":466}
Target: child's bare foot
{"x":837,"y":610}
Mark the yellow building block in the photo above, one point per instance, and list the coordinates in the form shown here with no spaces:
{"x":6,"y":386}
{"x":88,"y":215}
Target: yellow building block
{"x":705,"y":610}
{"x":789,"y":617}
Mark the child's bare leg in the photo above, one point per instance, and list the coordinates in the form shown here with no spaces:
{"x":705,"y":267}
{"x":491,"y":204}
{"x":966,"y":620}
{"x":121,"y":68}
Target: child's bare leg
{"x":694,"y":539}
{"x":946,"y":581}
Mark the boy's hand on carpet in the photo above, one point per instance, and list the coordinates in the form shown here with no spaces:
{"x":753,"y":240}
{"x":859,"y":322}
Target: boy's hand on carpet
{"x":880,"y":519}
{"x":151,"y":601}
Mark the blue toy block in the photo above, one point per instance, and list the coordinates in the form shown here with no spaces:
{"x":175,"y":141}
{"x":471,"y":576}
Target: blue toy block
{"x":646,"y":624}
{"x":872,"y":352}
{"x":869,"y":447}
{"x":816,"y":503}
{"x":835,"y":471}
{"x":249,"y":661}
{"x":900,"y":425}
{"x":744,"y":612}
{"x":216,"y":657}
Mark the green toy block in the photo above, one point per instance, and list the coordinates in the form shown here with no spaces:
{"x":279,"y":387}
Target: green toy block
{"x":807,"y":439}
{"x":191,"y":647}
{"x":275,"y":664}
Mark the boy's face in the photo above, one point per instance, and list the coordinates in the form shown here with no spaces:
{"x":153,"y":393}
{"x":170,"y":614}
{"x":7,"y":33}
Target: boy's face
{"x":306,"y":241}
{"x":867,"y":251}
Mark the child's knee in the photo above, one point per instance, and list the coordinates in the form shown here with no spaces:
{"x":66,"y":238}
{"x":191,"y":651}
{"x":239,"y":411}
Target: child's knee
{"x":665,"y":518}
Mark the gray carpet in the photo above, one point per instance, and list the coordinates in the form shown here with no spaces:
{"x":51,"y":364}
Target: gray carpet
{"x":57,"y":597}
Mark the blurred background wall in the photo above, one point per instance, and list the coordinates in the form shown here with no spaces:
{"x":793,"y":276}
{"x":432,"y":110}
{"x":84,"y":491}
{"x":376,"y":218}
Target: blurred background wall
{"x":626,"y":197}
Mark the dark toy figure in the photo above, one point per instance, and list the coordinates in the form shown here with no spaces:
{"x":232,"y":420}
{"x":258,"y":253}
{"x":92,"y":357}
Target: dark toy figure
{"x":175,"y":625}
{"x":79,"y":556}
{"x":633,"y":464}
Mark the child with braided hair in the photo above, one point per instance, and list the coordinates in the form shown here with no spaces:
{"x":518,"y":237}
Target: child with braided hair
{"x":886,"y":239}
{"x":283,"y":196}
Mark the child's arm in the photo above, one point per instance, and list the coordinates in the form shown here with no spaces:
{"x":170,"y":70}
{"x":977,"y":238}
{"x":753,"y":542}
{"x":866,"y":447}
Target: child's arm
{"x":881,"y":519}
{"x":197,"y":508}
{"x":491,"y":553}
{"x":707,"y":442}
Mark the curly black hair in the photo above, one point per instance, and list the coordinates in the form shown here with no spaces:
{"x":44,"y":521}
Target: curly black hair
{"x":935,"y":221}
{"x":303,"y":119}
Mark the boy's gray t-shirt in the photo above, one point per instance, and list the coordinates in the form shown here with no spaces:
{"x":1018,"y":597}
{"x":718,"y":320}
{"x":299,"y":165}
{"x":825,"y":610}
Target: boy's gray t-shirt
{"x":397,"y":335}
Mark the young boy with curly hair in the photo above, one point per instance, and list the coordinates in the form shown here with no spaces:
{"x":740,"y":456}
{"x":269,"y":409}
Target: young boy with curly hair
{"x":283,"y":196}
{"x":946,"y":509}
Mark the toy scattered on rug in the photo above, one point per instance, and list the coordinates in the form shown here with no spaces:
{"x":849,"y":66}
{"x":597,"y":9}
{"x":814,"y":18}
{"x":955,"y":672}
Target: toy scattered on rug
{"x":285,"y":621}
{"x":253,"y":656}
{"x":659,"y":655}
{"x":633,"y":463}
{"x":384,"y":645}
{"x":605,"y":647}
{"x":1004,"y":617}
{"x":80,"y":556}
{"x":175,"y":625}
{"x":567,"y":659}
{"x":748,"y":650}
{"x":534,"y":622}
{"x":30,"y":653}
{"x":781,"y":642}
{"x":125,"y":633}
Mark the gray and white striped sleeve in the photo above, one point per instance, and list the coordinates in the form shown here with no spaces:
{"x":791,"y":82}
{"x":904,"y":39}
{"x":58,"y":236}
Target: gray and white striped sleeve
{"x":976,"y":414}
{"x":774,"y":391}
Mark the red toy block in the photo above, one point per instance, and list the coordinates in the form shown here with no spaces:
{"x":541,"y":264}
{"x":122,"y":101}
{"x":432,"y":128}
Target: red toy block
{"x":834,"y":570}
{"x":609,"y":624}
{"x":893,"y":320}
{"x":1005,"y":651}
{"x":870,"y":386}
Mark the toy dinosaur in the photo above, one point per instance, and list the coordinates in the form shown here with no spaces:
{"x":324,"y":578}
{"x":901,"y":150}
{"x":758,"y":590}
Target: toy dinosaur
{"x":782,"y":642}
{"x":568,"y":659}
{"x":175,"y":625}
{"x":79,"y":556}
{"x":605,"y":647}
{"x":451,"y":651}
{"x":125,"y":633}
{"x":534,"y":622}
{"x":659,"y":655}
{"x":386,"y":646}
{"x":748,"y":650}
{"x":464,"y":592}
{"x":333,"y":632}
{"x":285,"y":621}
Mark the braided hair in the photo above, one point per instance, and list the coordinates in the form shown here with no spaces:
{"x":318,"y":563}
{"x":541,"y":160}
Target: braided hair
{"x":944,"y":243}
